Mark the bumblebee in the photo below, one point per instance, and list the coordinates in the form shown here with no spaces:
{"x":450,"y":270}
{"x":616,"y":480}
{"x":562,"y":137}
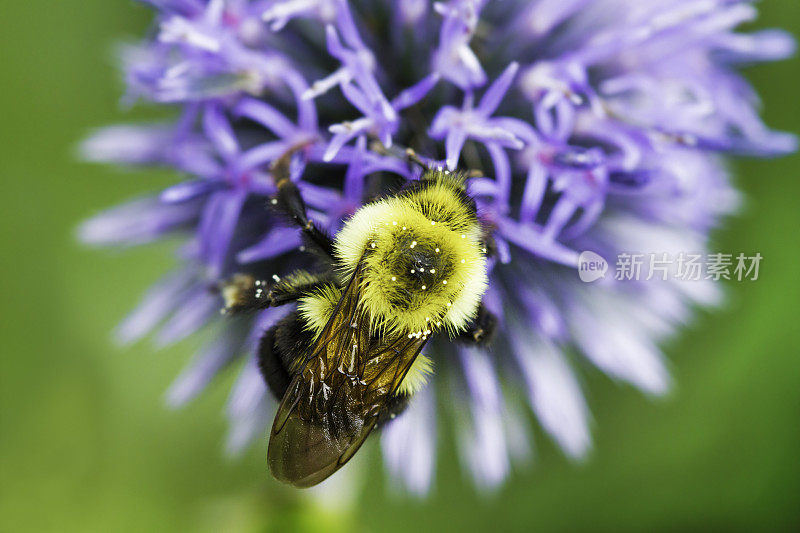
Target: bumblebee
{"x":403,"y":268}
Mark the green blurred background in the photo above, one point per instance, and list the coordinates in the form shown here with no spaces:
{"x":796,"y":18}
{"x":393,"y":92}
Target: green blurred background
{"x":86,"y":443}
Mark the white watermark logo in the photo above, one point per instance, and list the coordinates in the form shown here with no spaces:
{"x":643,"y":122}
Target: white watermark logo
{"x":683,"y":266}
{"x":591,"y":267}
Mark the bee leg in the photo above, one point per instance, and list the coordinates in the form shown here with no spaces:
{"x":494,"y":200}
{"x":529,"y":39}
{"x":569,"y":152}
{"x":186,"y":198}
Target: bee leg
{"x":243,"y":292}
{"x":481,"y":330}
{"x":394,"y":406}
{"x":290,"y":202}
{"x":278,"y":349}
{"x":489,"y":244}
{"x":270,"y":363}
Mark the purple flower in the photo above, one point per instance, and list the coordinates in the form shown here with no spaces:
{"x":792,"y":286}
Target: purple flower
{"x":470,"y":122}
{"x":596,"y":125}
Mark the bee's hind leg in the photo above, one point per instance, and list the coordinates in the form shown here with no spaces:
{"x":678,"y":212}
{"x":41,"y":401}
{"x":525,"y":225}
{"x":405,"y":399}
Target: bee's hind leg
{"x":273,"y":370}
{"x":244,"y":292}
{"x":393,"y":408}
{"x":481,"y":330}
{"x":278,"y":352}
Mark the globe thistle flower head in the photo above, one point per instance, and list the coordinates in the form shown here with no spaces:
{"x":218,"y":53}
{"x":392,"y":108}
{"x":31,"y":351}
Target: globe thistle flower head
{"x":586,"y":124}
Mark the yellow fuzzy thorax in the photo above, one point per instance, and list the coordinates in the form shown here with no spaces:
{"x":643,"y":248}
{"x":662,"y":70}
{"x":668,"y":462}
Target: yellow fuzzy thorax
{"x":423,"y":265}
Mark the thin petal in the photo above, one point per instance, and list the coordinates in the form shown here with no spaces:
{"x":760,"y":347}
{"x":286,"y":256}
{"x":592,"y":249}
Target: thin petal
{"x":247,"y":428}
{"x":417,"y":92}
{"x":203,"y":368}
{"x":156,"y":304}
{"x":266,"y":115}
{"x":277,"y":242}
{"x":409,"y":443}
{"x":554,"y":394}
{"x":502,"y":172}
{"x":127,"y":145}
{"x":221,"y":217}
{"x":497,"y":90}
{"x":137,"y":222}
{"x":219,"y":131}
{"x":483,"y":440}
{"x":454,"y":142}
{"x":535,"y":187}
{"x":194,"y":313}
{"x":188,"y":190}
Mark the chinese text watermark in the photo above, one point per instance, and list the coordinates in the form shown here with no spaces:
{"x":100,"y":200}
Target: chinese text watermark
{"x":683,"y":266}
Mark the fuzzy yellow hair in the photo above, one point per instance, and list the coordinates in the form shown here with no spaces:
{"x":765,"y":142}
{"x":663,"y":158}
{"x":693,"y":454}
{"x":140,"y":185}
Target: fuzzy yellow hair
{"x":422,"y":266}
{"x":422,"y":257}
{"x":317,"y":308}
{"x":417,"y":375}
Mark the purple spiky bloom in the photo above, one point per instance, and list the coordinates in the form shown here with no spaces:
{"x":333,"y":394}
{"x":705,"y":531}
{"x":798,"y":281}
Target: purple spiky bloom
{"x":599,"y":125}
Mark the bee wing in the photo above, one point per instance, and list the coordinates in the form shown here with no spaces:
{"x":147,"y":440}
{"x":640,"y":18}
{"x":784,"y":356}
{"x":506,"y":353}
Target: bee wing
{"x":333,"y":403}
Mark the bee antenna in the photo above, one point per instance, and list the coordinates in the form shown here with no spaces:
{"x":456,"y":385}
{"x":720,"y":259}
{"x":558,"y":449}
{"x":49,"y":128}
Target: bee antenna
{"x":412,"y":156}
{"x":281,"y":168}
{"x":409,"y":154}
